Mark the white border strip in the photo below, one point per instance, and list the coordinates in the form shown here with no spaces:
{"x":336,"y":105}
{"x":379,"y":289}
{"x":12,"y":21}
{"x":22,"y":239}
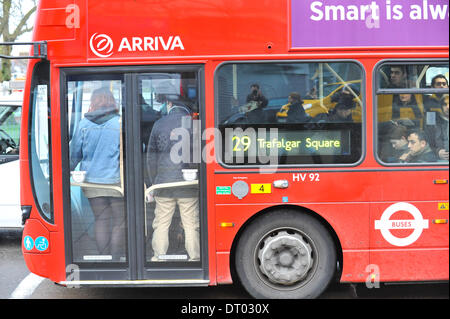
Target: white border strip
{"x":26,"y":287}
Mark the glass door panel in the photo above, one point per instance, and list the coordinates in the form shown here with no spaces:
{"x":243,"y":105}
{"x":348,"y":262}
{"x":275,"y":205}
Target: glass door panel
{"x":97,"y":195}
{"x":169,"y":108}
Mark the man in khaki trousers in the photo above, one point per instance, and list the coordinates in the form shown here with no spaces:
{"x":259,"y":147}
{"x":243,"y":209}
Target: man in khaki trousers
{"x":165,"y":208}
{"x":162,"y":169}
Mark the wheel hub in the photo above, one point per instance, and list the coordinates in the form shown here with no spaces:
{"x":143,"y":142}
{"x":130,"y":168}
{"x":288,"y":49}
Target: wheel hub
{"x":285,"y":258}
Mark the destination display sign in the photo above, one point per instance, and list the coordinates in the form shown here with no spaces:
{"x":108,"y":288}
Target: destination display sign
{"x":255,"y":145}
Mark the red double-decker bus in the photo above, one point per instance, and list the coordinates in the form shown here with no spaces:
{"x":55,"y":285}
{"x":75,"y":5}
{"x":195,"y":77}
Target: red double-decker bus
{"x":282,"y":144}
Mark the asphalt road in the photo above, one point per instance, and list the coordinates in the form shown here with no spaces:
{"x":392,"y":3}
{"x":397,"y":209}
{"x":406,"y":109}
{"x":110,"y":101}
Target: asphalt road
{"x":13,"y":272}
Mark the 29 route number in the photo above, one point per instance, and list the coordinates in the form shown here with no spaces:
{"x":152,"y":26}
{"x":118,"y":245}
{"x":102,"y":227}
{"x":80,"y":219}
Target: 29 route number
{"x":238,"y":142}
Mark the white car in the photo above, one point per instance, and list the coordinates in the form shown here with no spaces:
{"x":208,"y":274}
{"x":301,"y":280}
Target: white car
{"x":10,"y":113}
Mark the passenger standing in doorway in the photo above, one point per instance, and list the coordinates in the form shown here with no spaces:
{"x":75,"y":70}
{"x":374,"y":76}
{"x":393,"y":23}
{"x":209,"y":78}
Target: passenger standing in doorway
{"x":164,"y":169}
{"x":96,"y":146}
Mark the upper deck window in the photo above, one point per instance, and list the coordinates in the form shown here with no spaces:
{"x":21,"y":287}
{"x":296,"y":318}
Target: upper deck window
{"x":290,"y":113}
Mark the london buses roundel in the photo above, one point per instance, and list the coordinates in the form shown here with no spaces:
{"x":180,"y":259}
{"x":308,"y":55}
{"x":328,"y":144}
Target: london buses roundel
{"x":385,"y":224}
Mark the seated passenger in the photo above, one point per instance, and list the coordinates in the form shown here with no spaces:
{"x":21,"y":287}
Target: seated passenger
{"x":257,"y":96}
{"x":293,"y":111}
{"x":385,"y":147}
{"x":419,"y":149}
{"x":342,"y":112}
{"x":256,"y":115}
{"x":438,"y":133}
{"x":350,"y":90}
{"x":406,"y":106}
{"x":433,"y":102}
{"x":399,"y":142}
{"x":398,"y":77}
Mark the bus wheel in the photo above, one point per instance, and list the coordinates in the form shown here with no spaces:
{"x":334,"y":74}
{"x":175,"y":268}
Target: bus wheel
{"x":285,"y":254}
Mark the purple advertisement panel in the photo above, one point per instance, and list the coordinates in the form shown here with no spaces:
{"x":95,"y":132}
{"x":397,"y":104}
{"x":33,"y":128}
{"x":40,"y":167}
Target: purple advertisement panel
{"x":369,"y":23}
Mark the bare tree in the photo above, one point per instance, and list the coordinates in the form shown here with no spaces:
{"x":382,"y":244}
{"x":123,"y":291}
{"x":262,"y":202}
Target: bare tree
{"x":14,"y":16}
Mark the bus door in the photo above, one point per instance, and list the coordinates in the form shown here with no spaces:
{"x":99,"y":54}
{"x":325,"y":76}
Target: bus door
{"x":136,"y":196}
{"x":172,"y":223}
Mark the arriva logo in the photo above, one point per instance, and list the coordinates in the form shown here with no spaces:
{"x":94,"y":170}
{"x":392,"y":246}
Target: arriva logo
{"x":102,"y":45}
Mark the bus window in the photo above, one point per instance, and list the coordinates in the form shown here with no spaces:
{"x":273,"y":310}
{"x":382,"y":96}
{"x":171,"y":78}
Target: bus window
{"x":413,"y":119}
{"x":290,"y":113}
{"x":40,"y":140}
{"x":96,"y":163}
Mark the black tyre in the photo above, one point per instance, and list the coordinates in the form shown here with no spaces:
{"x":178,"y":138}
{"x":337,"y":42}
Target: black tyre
{"x":285,"y":254}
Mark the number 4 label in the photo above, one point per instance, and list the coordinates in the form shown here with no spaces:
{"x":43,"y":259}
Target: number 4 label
{"x":261,"y":188}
